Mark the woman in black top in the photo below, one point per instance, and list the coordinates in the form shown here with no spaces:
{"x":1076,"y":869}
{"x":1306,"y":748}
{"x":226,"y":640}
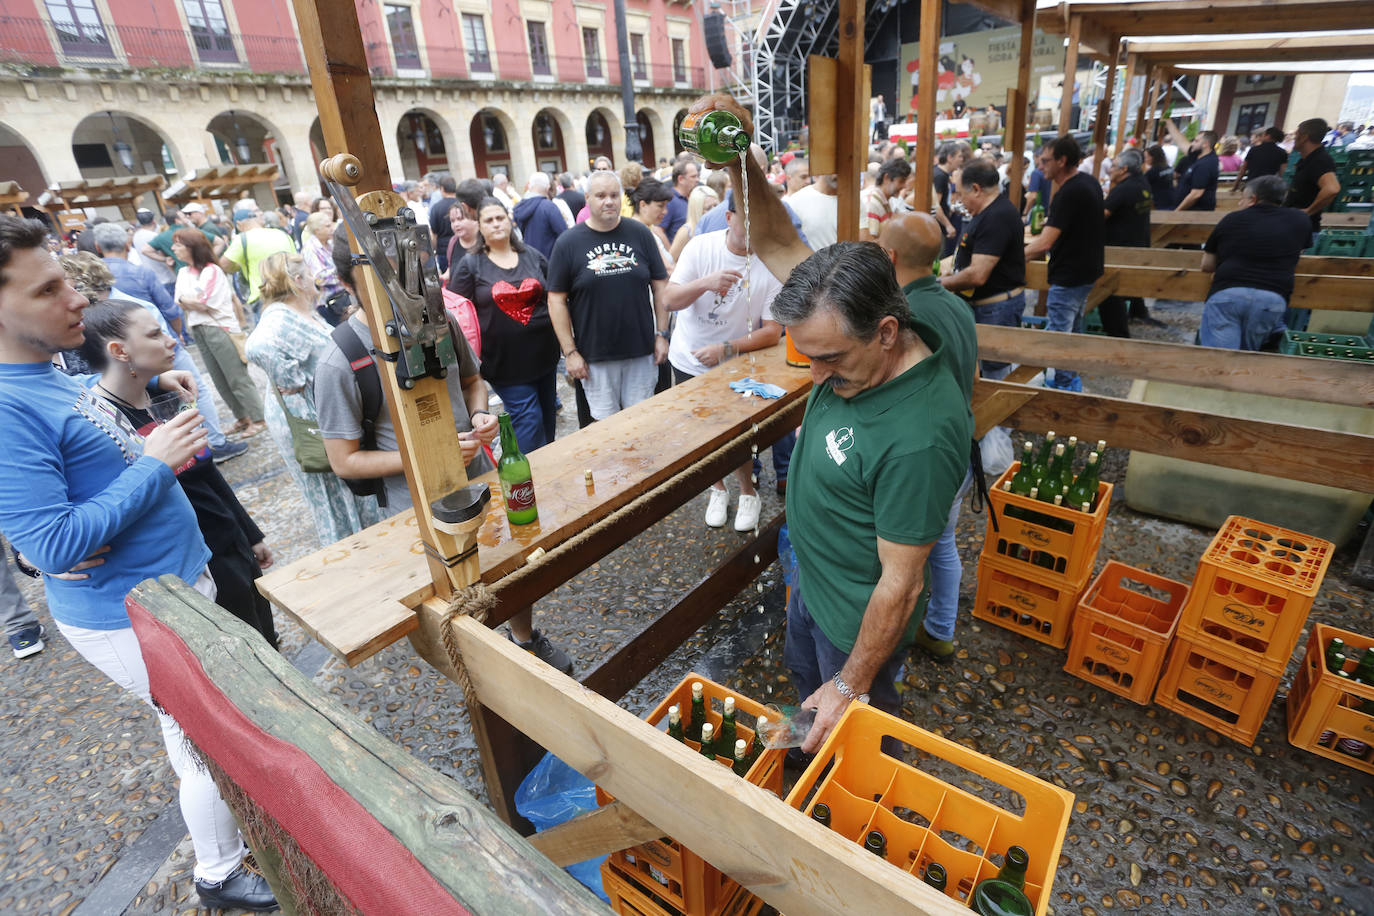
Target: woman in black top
{"x":125,"y":343}
{"x":1161,"y":178}
{"x":505,"y":279}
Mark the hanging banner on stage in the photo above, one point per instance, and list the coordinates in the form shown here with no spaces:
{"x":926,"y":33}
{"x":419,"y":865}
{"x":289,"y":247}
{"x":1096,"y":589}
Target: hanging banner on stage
{"x":977,"y":68}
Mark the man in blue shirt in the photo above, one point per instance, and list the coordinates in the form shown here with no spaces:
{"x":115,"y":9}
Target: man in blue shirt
{"x":112,"y":244}
{"x":685,"y":178}
{"x":79,"y":486}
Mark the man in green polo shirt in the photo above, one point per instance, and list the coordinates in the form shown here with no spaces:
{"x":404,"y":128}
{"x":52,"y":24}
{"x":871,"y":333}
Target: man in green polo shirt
{"x":882,"y":451}
{"x":253,"y":244}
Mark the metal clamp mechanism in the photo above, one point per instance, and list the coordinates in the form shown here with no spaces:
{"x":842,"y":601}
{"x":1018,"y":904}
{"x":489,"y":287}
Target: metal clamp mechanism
{"x":401,"y":254}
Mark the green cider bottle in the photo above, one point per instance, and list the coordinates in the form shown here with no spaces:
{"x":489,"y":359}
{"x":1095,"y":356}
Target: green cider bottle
{"x":714,"y":135}
{"x":517,"y":484}
{"x":1084,"y":488}
{"x":1054,"y":481}
{"x":1335,"y":654}
{"x":1024,"y":478}
{"x":675,"y":722}
{"x":708,"y":741}
{"x":698,"y":718}
{"x":936,"y":877}
{"x":820,"y":813}
{"x":1037,"y":219}
{"x":1005,"y":894}
{"x":1042,"y":459}
{"x":726,"y":736}
{"x":741,"y":765}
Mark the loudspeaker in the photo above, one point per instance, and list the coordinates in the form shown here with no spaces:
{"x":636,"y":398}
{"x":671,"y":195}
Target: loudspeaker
{"x":713,"y":25}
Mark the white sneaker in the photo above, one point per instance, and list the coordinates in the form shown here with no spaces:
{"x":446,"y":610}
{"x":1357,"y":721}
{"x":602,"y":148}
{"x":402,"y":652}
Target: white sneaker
{"x":718,"y":509}
{"x":747,"y":514}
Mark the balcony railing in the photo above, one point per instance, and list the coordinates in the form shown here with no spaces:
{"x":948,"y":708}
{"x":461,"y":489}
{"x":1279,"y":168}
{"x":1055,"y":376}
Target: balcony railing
{"x":36,"y":42}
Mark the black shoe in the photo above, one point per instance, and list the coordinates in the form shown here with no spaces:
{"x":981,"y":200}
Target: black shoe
{"x":242,"y":890}
{"x":540,"y":647}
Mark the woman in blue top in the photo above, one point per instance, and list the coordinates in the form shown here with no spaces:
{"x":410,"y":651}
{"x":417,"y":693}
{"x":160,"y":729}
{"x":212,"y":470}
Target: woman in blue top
{"x":75,"y":478}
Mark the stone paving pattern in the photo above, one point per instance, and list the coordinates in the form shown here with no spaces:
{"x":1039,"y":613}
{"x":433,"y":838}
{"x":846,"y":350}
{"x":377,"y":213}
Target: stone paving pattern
{"x":1170,"y":817}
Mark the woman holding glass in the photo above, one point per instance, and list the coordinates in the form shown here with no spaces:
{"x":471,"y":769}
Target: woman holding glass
{"x":286,"y":345}
{"x":505,"y":279}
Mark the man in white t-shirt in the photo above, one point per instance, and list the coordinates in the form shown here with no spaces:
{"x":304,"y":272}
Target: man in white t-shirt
{"x":721,"y":313}
{"x":816,"y":207}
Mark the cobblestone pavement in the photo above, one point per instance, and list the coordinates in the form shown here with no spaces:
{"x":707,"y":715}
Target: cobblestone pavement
{"x":1170,"y":817}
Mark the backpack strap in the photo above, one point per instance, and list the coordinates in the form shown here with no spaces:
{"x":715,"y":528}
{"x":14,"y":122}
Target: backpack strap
{"x":365,"y":373}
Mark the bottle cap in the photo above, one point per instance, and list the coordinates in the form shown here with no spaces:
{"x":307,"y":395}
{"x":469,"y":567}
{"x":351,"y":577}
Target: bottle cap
{"x":674,"y":712}
{"x":707,"y":729}
{"x":697,"y":688}
{"x":741,"y":747}
{"x":760,"y":723}
{"x":729,"y":704}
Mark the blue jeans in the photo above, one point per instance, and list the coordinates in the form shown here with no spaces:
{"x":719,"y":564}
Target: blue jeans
{"x":813,"y":659}
{"x":1065,"y":307}
{"x":945,"y":571}
{"x":533,"y":411}
{"x":1006,"y":314}
{"x":15,"y":613}
{"x":1241,"y":319}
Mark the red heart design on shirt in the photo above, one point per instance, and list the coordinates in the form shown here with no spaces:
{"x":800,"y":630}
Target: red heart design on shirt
{"x":518,"y":303}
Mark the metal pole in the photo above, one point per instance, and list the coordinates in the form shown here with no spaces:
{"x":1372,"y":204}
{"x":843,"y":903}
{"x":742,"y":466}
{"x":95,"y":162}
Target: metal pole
{"x":633,"y":151}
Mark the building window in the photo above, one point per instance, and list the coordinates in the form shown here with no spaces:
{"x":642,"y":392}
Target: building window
{"x":79,"y":29}
{"x":539,"y":48}
{"x":475,"y":37}
{"x":679,"y":61}
{"x":403,"y":41}
{"x":591,"y":50}
{"x":641,"y":67}
{"x":210,"y":30}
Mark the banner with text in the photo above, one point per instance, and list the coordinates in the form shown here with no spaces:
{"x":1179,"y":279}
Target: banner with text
{"x":977,"y":68}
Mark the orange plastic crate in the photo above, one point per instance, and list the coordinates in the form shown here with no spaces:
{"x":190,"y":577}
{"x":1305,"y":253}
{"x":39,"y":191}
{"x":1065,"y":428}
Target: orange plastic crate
{"x":1120,"y":634}
{"x":687,"y":882}
{"x":1324,"y":709}
{"x":1014,"y":596}
{"x":929,"y":819}
{"x":1230,"y":698}
{"x":631,"y":898}
{"x":1048,"y":540}
{"x":1254,"y":586}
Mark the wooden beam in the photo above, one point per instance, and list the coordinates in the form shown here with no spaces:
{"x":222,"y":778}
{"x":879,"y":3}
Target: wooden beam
{"x":851,"y":119}
{"x":1127,"y":87}
{"x":822,"y":95}
{"x":931,"y":13}
{"x":1070,"y":73}
{"x":608,"y":829}
{"x":1193,"y":226}
{"x":1327,"y":380}
{"x":632,"y":662}
{"x":1104,"y":109}
{"x":1181,"y":259}
{"x":1280,"y":49}
{"x":1282,"y":450}
{"x":1017,"y":101}
{"x":1341,"y":294}
{"x":790,"y":861}
{"x":1218,"y":17}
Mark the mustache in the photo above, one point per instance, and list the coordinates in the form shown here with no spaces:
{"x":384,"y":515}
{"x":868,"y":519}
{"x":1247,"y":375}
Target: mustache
{"x":836,"y":382}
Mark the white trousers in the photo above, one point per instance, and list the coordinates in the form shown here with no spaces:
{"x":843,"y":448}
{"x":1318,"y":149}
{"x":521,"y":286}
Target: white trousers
{"x":214,"y":834}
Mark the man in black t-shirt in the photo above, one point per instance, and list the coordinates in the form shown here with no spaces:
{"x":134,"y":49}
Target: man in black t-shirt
{"x":1264,"y":158}
{"x":950,"y":158}
{"x":1074,"y":237}
{"x":990,"y":262}
{"x":606,"y":287}
{"x":569,"y":194}
{"x":1198,"y":174}
{"x":1315,"y":184}
{"x":1252,"y":253}
{"x":1127,"y":212}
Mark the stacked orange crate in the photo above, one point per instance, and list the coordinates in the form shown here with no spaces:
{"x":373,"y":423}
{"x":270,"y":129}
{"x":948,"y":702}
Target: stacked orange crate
{"x":1254,"y":587}
{"x":683,"y":883}
{"x":956,"y":807}
{"x":1036,"y":565}
{"x":1328,"y":714}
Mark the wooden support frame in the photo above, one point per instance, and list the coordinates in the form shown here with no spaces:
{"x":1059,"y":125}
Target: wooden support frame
{"x":1070,"y":73}
{"x":851,"y":121}
{"x":931,"y":22}
{"x":1017,"y":101}
{"x":1104,"y":108}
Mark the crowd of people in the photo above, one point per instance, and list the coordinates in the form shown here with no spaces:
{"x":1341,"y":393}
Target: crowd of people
{"x":628,"y":282}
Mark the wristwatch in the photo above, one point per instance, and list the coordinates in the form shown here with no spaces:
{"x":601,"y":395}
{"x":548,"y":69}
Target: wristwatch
{"x":663,"y":334}
{"x":846,"y":691}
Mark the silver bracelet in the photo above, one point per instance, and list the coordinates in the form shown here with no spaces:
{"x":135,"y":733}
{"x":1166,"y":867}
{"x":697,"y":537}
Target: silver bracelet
{"x":846,"y":691}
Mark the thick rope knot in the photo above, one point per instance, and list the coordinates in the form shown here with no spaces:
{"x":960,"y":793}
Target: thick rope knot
{"x":475,"y":601}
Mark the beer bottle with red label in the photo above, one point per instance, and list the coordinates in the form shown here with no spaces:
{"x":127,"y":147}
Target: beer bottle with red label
{"x":513,"y":470}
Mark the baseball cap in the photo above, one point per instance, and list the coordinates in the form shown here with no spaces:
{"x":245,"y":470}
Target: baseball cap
{"x":242,"y":213}
{"x":193,"y":208}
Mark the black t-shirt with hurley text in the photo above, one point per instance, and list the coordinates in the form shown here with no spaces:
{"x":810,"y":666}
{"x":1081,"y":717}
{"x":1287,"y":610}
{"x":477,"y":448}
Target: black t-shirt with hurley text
{"x":606,"y":276}
{"x":518,"y":342}
{"x":1076,"y":211}
{"x":1128,"y":206}
{"x":1265,"y":159}
{"x":1258,"y":248}
{"x":1307,"y":179}
{"x":997,"y":231}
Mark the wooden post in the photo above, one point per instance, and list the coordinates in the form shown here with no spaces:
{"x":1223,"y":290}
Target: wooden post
{"x":1104,"y":107}
{"x":851,"y":122}
{"x":1017,"y":102}
{"x":1157,"y":97}
{"x":931,"y":12}
{"x":1070,"y":71}
{"x":1132,"y":66}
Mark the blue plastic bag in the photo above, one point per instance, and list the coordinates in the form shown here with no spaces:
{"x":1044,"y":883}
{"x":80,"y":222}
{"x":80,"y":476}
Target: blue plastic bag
{"x":553,"y":793}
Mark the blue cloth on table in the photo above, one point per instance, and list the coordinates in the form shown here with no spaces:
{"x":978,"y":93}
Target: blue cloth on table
{"x":749,"y":387}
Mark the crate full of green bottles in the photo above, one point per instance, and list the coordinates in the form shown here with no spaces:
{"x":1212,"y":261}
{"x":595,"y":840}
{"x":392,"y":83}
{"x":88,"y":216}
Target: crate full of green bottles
{"x":978,"y":830}
{"x":723,"y":725}
{"x":1327,"y":346}
{"x":1331,"y":703}
{"x":1049,"y":519}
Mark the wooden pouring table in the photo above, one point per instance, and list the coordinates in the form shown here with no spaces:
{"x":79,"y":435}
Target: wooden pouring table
{"x":361,"y":594}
